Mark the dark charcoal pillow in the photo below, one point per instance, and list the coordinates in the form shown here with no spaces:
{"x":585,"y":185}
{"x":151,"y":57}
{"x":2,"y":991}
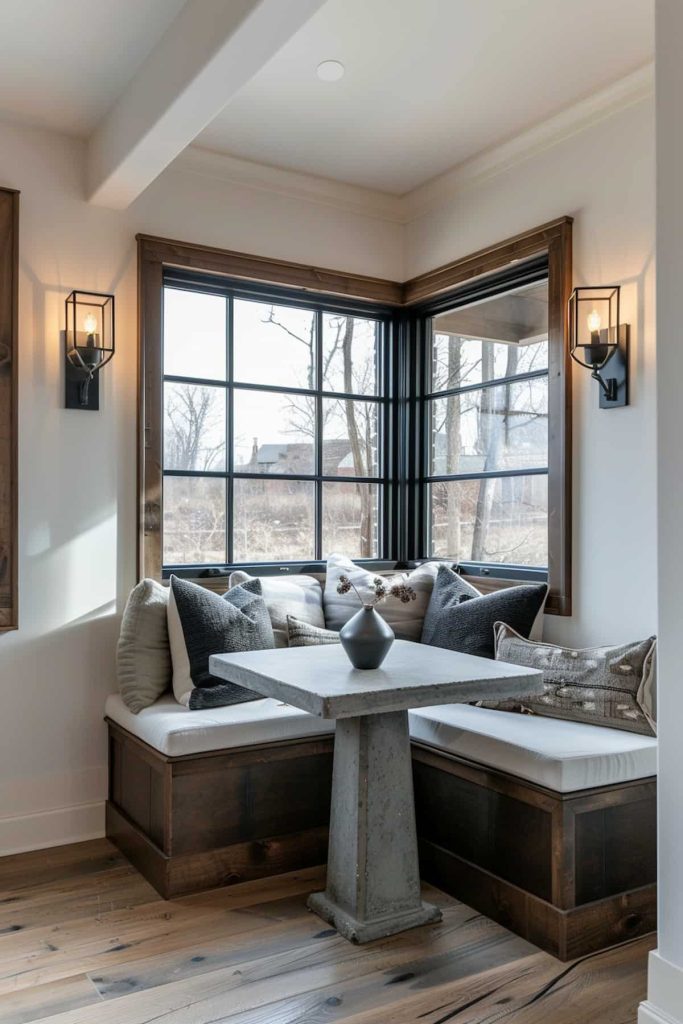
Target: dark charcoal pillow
{"x":460,"y":622}
{"x":201,"y":623}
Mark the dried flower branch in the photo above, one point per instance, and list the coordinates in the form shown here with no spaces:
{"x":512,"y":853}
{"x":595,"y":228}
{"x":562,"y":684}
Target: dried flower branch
{"x":380,"y":591}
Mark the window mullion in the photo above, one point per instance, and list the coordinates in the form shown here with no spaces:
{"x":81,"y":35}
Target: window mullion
{"x":229,"y":435}
{"x":319,"y":439}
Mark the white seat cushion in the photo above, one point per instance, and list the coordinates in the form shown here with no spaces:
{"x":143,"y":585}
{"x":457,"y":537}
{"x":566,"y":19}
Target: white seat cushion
{"x":564,"y":756}
{"x":176,"y":731}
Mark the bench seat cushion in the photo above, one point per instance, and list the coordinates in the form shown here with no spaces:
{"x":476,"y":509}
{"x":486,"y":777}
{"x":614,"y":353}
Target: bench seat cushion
{"x":175,"y":731}
{"x":559,"y":755}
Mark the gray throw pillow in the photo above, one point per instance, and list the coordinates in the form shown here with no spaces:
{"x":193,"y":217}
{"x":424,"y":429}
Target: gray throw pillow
{"x":298,"y":595}
{"x":143,"y":657}
{"x":608,"y":686}
{"x":303,"y":634}
{"x":201,"y":623}
{"x":459,"y":621}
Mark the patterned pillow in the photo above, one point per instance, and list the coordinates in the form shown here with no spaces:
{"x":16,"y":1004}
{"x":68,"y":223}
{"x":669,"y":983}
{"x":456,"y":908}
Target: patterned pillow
{"x":405,"y":619}
{"x":299,"y":595}
{"x":608,"y":686}
{"x":460,"y":621}
{"x":302,"y":634}
{"x":201,"y":623}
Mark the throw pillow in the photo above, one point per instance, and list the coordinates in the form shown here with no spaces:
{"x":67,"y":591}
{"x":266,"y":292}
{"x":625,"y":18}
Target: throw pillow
{"x":460,"y":621}
{"x":143,"y":657}
{"x":300,"y":595}
{"x":303,"y":634}
{"x":405,"y":619}
{"x":608,"y":686}
{"x":201,"y":623}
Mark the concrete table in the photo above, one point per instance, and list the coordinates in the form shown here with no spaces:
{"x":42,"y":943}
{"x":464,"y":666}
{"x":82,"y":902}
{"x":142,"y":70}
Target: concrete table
{"x":373,"y":878}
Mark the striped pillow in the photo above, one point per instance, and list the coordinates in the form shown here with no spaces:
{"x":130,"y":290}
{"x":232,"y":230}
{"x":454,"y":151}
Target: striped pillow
{"x":300,"y":595}
{"x":303,"y":634}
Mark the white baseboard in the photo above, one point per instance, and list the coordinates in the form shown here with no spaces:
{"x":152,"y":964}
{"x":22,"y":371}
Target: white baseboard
{"x":649,"y":1014}
{"x":51,"y":828}
{"x":664,"y":1003}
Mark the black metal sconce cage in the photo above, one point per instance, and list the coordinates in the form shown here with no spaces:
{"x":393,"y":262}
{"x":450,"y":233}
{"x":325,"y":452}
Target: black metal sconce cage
{"x":598,"y":340}
{"x":89,"y":344}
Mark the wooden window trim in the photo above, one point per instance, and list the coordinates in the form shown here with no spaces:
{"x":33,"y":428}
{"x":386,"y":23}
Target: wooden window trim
{"x":9,"y":302}
{"x":553,"y":239}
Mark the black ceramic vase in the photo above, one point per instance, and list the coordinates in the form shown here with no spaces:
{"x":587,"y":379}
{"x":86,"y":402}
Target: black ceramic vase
{"x":366,"y":638}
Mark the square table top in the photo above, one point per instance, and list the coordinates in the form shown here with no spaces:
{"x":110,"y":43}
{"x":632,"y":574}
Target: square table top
{"x":322,"y":681}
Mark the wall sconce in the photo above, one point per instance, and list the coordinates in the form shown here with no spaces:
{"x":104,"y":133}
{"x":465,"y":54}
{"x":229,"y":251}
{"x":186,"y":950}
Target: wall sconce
{"x":89,"y":340}
{"x":599,"y":341}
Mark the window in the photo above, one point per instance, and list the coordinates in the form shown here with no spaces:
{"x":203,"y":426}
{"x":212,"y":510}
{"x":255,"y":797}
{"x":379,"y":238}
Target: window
{"x":287,"y":411}
{"x":273,"y":417}
{"x":487,"y":414}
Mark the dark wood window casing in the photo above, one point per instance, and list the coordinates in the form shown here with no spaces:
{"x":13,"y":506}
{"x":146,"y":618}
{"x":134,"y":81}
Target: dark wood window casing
{"x":408,"y":303}
{"x":9,"y":273}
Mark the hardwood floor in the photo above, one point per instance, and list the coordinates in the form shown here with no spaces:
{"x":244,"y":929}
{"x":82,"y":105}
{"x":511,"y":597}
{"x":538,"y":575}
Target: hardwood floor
{"x":85,"y":940}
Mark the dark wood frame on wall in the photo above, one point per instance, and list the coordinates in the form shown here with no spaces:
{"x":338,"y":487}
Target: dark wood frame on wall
{"x":554,"y":240}
{"x":9,"y":274}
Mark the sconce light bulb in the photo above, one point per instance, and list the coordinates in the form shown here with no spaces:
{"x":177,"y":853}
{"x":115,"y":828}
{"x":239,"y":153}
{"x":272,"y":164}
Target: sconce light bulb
{"x":594,"y":321}
{"x":90,"y":323}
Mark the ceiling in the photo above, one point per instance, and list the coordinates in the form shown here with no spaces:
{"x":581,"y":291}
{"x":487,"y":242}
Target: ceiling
{"x":428,"y":83}
{"x":64,"y":62}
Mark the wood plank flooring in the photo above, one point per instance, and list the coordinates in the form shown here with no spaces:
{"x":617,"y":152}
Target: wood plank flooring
{"x":85,"y":940}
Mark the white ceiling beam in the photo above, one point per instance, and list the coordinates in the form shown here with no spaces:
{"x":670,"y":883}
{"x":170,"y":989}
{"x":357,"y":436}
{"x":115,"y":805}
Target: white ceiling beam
{"x":209,"y":52}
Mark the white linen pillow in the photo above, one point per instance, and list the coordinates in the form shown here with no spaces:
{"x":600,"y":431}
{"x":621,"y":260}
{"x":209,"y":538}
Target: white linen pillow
{"x":300,"y":596}
{"x":143,"y":655}
{"x":405,"y":619}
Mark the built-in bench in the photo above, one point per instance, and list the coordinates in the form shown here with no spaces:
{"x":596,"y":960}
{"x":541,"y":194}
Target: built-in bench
{"x":544,"y":825}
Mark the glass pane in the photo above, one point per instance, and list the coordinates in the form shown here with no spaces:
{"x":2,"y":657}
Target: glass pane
{"x":194,"y":427}
{"x":502,"y":427}
{"x":350,"y":354}
{"x":350,"y":438}
{"x":499,"y":337}
{"x":503,"y":519}
{"x":274,"y":433}
{"x":274,"y":344}
{"x":194,"y":520}
{"x":274,"y":520}
{"x":194,"y":334}
{"x":350,"y":516}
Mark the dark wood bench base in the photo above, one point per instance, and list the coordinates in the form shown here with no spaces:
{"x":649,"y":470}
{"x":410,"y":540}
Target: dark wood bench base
{"x":570,"y":872}
{"x":197,"y":822}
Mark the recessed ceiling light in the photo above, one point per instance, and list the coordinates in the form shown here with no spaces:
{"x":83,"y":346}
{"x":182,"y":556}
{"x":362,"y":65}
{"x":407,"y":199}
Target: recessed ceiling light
{"x":330,"y":70}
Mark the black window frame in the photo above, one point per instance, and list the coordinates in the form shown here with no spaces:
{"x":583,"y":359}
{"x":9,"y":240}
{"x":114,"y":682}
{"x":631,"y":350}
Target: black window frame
{"x":388,"y":526}
{"x":515,"y":276}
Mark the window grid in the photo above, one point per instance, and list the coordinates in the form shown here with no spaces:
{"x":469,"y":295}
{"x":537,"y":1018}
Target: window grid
{"x":429,"y":478}
{"x":380,"y":399}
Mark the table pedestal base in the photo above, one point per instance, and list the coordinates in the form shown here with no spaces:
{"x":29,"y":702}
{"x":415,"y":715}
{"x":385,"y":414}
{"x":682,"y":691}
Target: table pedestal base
{"x":373,"y":878}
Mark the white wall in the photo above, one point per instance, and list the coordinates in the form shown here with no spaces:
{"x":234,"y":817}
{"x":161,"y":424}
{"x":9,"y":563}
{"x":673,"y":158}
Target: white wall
{"x":77,"y":503}
{"x":77,"y":470}
{"x":604,"y":177}
{"x":665,"y":983}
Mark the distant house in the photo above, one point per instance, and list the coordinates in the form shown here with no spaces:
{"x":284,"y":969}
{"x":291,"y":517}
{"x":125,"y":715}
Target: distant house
{"x":298,"y":458}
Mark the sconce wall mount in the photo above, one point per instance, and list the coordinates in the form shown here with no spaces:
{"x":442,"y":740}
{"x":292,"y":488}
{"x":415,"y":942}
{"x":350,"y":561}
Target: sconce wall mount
{"x":600,"y":342}
{"x":89,"y":346}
